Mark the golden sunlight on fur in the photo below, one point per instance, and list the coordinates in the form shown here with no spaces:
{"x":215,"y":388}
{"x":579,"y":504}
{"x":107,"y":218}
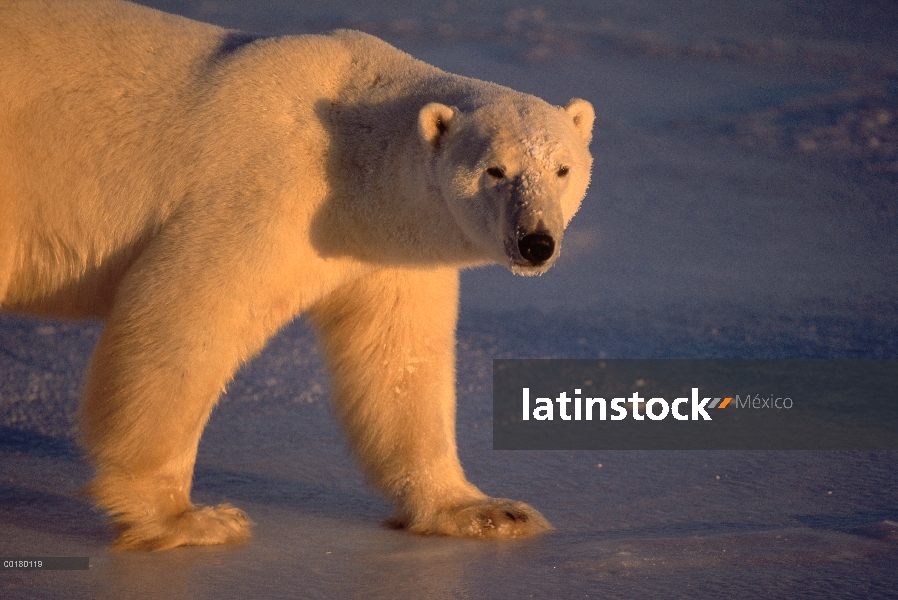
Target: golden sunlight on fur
{"x":198,"y":188}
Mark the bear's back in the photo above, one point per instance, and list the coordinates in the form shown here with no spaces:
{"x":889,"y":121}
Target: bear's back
{"x":74,"y":46}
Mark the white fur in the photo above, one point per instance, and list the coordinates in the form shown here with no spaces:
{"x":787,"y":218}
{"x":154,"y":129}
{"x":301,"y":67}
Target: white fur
{"x":198,"y":189}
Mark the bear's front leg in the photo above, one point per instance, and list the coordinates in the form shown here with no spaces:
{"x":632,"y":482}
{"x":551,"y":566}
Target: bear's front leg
{"x":389,"y":340}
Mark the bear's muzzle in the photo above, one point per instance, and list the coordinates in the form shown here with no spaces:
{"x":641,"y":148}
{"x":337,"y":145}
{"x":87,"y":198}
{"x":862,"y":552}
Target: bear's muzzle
{"x":534,"y":228}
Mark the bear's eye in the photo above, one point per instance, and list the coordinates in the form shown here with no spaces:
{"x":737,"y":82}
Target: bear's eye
{"x":496,"y":172}
{"x":563,"y":171}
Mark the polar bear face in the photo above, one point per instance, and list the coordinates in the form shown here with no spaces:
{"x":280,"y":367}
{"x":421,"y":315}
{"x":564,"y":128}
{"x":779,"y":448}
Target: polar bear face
{"x":512,"y":173}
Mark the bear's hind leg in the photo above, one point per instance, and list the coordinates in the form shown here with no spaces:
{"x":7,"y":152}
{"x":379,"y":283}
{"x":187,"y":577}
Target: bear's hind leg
{"x":167,"y":351}
{"x":142,"y":418}
{"x":389,"y":340}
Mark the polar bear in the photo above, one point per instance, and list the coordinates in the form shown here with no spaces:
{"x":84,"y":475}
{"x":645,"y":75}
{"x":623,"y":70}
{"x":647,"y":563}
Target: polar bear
{"x":197,"y":188}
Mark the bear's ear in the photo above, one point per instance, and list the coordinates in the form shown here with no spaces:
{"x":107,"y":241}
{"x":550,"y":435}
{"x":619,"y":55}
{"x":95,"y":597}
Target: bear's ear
{"x":434,"y":121}
{"x":583,"y":116}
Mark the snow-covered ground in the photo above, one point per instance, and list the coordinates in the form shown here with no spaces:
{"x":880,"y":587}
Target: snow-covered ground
{"x":744,"y":204}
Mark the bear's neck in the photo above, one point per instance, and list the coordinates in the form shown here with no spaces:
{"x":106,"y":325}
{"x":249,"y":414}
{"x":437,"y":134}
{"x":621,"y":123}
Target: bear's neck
{"x":382,"y":207}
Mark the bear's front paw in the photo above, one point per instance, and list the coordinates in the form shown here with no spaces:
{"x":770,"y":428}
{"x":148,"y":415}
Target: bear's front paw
{"x":489,"y":518}
{"x":497,"y":518}
{"x":199,"y":526}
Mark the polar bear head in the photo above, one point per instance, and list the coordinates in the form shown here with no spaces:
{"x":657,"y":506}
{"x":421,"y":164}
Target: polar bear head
{"x":513,"y":172}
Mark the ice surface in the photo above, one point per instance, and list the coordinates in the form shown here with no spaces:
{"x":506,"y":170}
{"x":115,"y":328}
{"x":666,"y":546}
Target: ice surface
{"x":713,"y":228}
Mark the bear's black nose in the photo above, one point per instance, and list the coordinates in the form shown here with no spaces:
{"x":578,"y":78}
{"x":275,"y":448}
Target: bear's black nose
{"x":536,"y":247}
